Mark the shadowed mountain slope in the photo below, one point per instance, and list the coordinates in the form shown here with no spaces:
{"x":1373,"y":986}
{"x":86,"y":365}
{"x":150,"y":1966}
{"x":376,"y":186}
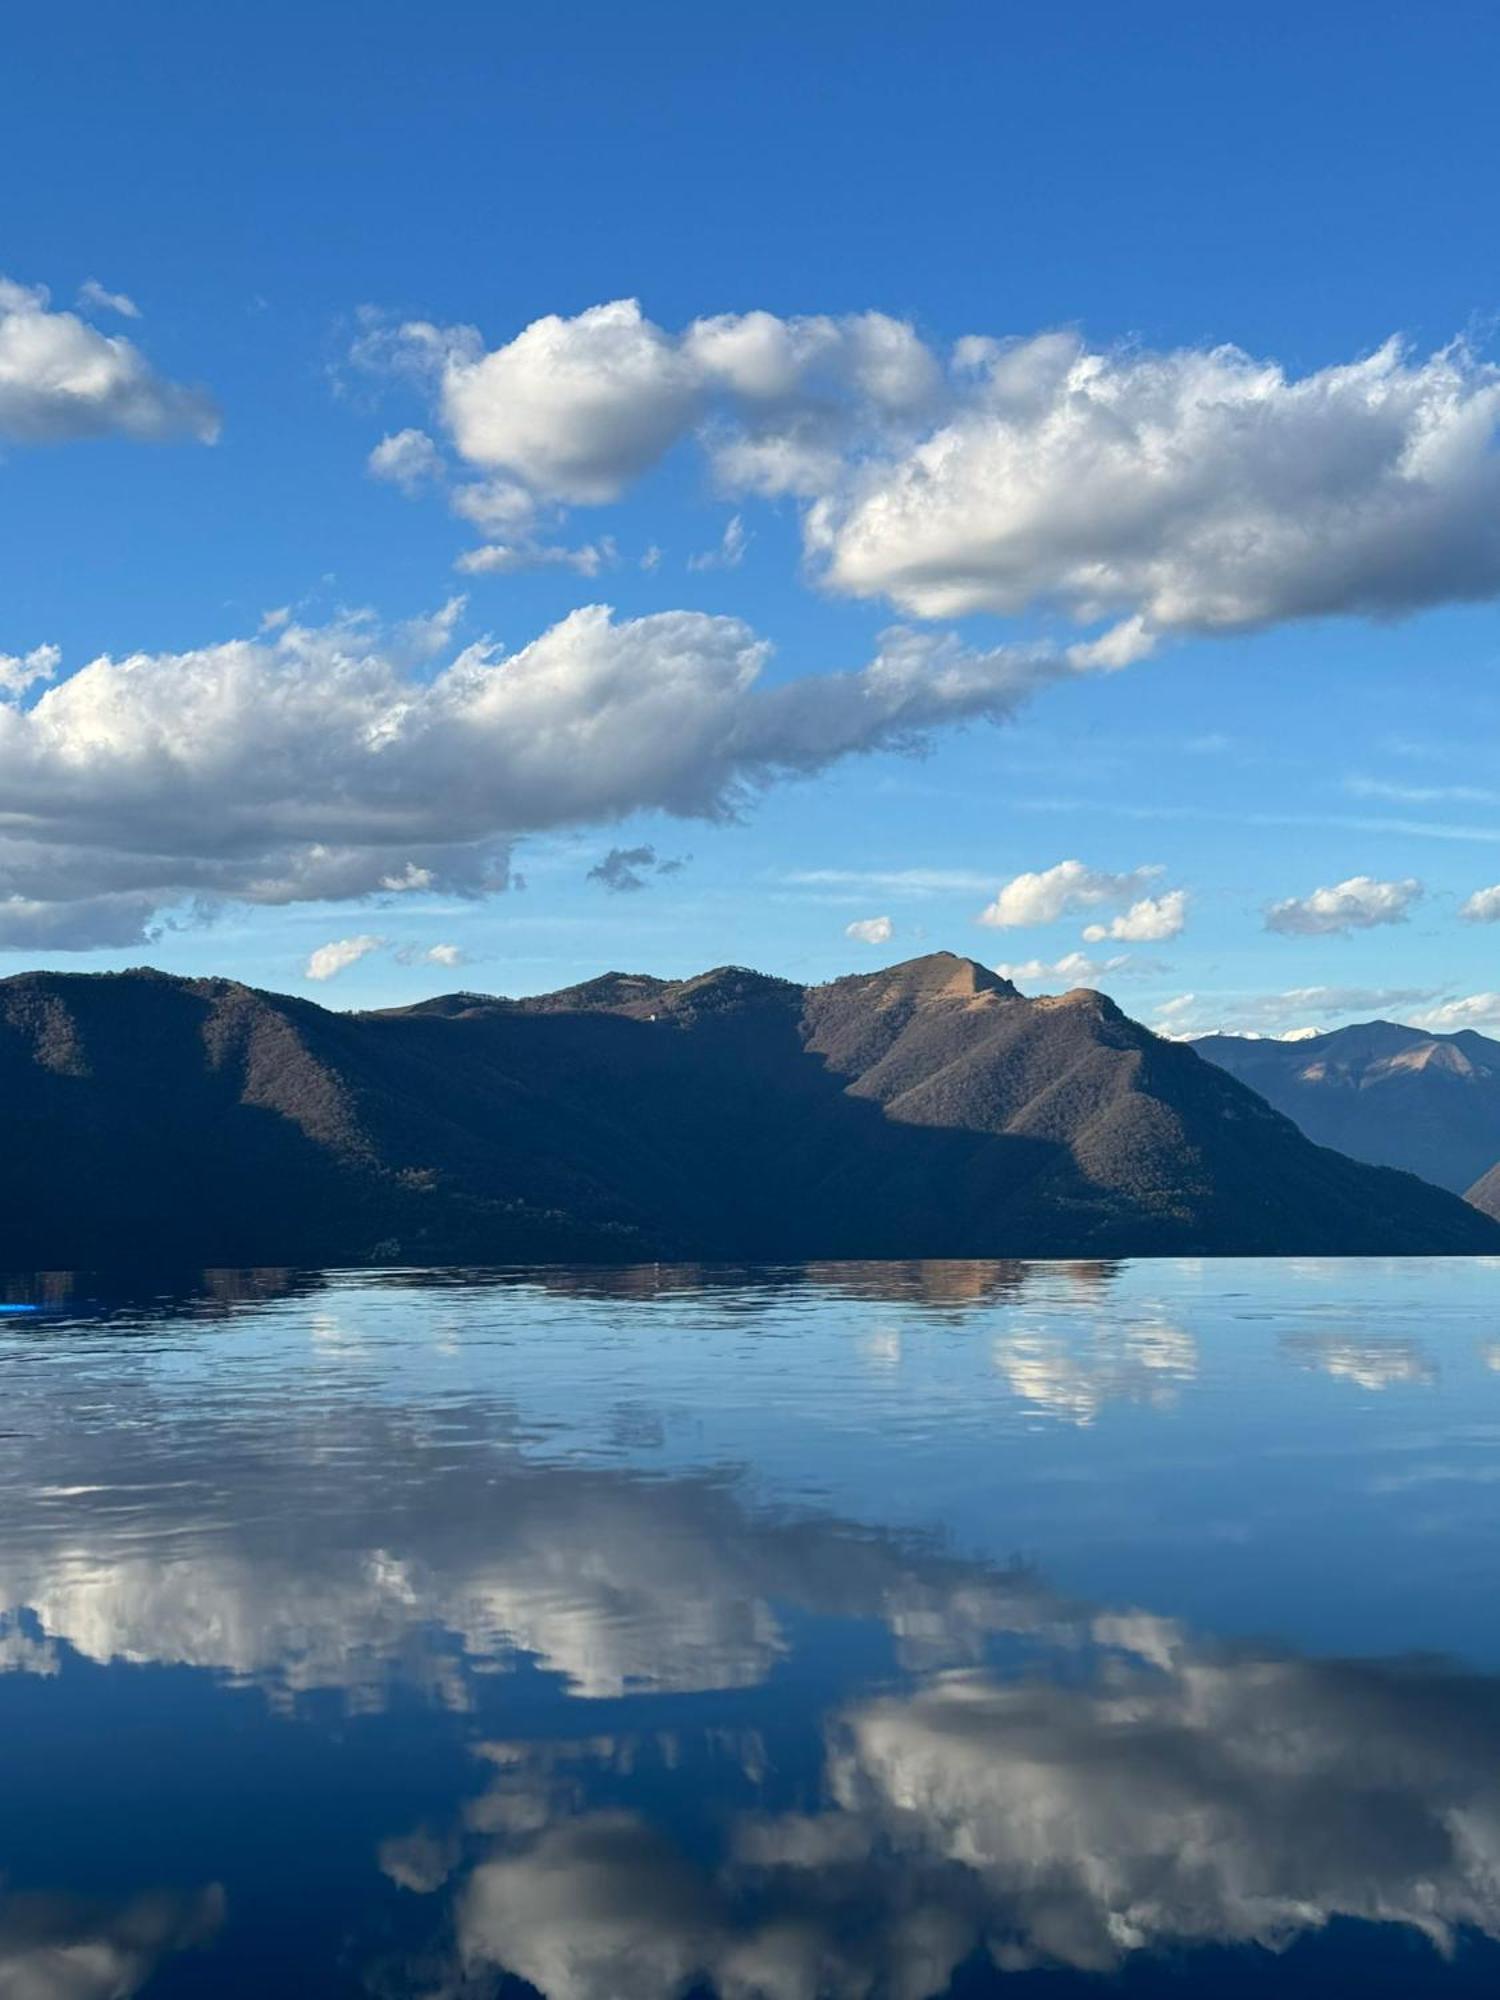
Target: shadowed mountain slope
{"x":1395,"y":1096}
{"x":924,"y":1111}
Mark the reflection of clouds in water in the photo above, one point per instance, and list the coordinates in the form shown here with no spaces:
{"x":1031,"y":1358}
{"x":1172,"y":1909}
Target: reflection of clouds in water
{"x":1371,"y":1364}
{"x":1174,"y":1798}
{"x":1226,"y":1801}
{"x":612,"y":1581}
{"x":1075,"y":1376}
{"x":600,"y":1905}
{"x":420,"y":1861}
{"x":22,"y":1651}
{"x":613,"y":1596}
{"x":68,"y":1948}
{"x":882,"y":1348}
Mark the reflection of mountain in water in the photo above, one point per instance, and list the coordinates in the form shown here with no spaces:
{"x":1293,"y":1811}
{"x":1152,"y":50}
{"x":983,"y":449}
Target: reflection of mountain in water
{"x":934,"y":1281}
{"x":99,"y":1299}
{"x":102,"y":1299}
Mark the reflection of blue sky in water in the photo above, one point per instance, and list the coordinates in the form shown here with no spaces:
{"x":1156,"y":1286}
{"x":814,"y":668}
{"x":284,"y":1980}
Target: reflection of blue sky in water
{"x":797,"y":1636}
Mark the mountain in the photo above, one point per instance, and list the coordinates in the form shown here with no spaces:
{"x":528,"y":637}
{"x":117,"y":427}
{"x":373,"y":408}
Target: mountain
{"x":1397,"y":1097}
{"x":1485,"y":1193}
{"x":924,"y":1111}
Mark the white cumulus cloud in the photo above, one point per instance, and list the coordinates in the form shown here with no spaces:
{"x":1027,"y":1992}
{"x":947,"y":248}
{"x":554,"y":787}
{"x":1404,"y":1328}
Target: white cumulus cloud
{"x":1145,"y":922}
{"x":329,"y":960}
{"x":1483,"y":907}
{"x":1359,"y":904}
{"x":62,"y":379}
{"x":19,"y":672}
{"x":1044,"y":895}
{"x":870,"y":930}
{"x":408,"y":459}
{"x":1200,"y":490}
{"x":576,"y":408}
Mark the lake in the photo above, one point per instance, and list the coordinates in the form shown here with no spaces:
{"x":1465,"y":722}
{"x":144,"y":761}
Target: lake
{"x":883,"y":1629}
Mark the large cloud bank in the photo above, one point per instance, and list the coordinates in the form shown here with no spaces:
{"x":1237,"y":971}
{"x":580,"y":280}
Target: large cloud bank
{"x":1195,"y":491}
{"x":338,"y":762}
{"x":1171,"y":1798}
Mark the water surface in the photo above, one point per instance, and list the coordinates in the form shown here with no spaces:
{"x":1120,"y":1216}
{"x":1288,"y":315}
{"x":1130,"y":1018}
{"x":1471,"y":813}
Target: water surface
{"x":850,"y":1630}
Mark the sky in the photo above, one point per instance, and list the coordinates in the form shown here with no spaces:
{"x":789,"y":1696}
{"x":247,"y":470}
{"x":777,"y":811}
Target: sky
{"x":490,"y":495}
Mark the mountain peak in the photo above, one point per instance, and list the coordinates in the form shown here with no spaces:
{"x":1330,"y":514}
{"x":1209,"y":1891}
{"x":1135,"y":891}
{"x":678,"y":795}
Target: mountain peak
{"x":1088,"y":998}
{"x":938,"y":975}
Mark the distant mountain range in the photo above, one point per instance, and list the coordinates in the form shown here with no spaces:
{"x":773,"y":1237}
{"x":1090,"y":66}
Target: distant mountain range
{"x":1395,"y":1096}
{"x":924,"y":1111}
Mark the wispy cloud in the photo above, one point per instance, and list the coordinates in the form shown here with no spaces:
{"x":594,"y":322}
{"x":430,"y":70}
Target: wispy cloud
{"x":1422,"y":795}
{"x":1210,"y":816}
{"x":729,"y":553}
{"x":91,"y":294}
{"x":897,"y":881}
{"x":1074,"y":968}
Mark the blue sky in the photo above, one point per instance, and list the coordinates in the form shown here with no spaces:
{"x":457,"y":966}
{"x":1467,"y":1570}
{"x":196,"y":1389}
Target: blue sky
{"x":1291,"y":554}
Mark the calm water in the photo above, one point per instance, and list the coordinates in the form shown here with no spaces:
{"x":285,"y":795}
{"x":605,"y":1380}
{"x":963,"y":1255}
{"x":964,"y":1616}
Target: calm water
{"x":861,"y":1630}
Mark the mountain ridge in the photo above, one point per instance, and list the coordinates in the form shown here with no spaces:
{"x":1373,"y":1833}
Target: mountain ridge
{"x":924,"y":1109}
{"x":1382,"y":1092}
